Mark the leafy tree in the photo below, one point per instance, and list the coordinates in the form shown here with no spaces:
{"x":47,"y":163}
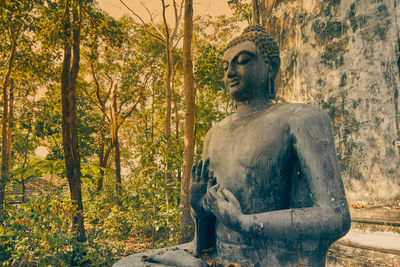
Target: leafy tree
{"x":71,"y":30}
{"x":169,"y":37}
{"x":12,"y":16}
{"x":119,"y":80}
{"x":241,"y":10}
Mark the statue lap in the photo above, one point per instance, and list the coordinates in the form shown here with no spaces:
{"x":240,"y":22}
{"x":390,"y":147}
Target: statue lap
{"x":137,"y":260}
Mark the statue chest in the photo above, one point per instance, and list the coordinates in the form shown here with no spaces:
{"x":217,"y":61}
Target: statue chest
{"x":251,"y":159}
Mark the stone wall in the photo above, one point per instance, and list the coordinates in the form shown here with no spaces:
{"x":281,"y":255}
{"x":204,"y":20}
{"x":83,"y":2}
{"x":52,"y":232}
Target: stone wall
{"x":343,"y":55}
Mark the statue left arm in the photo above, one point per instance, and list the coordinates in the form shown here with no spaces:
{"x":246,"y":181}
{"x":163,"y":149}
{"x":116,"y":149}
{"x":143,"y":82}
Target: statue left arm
{"x":328,"y":218}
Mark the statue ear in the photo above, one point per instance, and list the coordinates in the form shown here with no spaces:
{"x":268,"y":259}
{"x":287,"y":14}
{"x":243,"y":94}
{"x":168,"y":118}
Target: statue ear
{"x":273,"y":67}
{"x":275,"y":63}
{"x":271,"y":88}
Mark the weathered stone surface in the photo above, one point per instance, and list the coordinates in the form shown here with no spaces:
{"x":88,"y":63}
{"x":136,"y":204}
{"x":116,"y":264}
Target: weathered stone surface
{"x":344,"y":56}
{"x":374,"y":239}
{"x":136,"y":260}
{"x":341,"y":255}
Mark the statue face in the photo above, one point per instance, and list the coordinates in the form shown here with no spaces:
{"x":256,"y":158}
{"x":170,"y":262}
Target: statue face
{"x":245,"y":71}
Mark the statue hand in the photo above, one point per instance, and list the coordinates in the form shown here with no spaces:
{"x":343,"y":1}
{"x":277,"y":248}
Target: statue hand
{"x":225,"y":206}
{"x":202,"y":178}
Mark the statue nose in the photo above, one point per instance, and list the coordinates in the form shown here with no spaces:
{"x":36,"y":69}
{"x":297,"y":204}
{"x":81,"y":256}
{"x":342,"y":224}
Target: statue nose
{"x":231,"y":70}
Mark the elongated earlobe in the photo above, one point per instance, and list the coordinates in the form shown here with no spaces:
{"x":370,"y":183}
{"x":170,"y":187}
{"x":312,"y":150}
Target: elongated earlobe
{"x":271,"y":88}
{"x":275,"y":62}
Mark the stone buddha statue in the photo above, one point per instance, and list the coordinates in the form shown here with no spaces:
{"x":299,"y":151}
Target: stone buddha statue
{"x":268,"y":191}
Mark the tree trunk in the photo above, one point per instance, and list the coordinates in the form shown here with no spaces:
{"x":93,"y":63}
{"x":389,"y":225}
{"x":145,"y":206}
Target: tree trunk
{"x":175,"y":99}
{"x":255,"y":12}
{"x":10,"y":124}
{"x":115,"y":141}
{"x":168,"y":100}
{"x":69,"y":76}
{"x":118,"y":179}
{"x":24,"y":163}
{"x":104,"y":154}
{"x":168,"y":111}
{"x":4,"y":154}
{"x":101,"y":160}
{"x":188,"y":154}
{"x":5,"y":159}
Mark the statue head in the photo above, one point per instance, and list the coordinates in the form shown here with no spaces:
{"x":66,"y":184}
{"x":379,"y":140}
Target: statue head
{"x":254,"y":56}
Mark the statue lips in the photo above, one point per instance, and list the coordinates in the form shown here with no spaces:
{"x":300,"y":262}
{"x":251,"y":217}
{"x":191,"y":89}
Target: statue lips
{"x":234,"y":82}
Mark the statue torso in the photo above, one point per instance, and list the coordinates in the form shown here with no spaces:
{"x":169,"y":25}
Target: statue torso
{"x":253,"y":158}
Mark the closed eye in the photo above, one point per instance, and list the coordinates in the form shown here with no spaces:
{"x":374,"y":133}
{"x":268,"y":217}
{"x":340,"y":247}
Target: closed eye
{"x":243,"y":59}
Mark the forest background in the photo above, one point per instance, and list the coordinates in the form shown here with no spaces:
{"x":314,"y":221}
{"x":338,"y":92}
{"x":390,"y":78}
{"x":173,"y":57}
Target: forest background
{"x":114,"y":187}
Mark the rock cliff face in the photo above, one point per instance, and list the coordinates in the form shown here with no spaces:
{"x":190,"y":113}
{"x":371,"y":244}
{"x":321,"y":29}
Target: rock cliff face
{"x":344,"y":56}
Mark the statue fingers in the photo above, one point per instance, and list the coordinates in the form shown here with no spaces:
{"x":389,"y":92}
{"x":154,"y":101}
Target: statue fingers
{"x":212,"y":192}
{"x":230,"y":197}
{"x":204,"y":174}
{"x":194,"y":172}
{"x":221,"y":194}
{"x":210,"y":196}
{"x":211,"y":179}
{"x":198,"y":171}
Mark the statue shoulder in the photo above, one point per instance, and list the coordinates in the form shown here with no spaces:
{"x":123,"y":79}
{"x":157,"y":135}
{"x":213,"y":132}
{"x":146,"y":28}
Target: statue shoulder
{"x":215,"y":128}
{"x":297,"y":113}
{"x":218,"y":125}
{"x":307,"y":122}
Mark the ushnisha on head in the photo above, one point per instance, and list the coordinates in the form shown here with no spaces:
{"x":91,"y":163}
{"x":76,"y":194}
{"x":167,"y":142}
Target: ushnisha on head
{"x":266,"y":47}
{"x":259,"y":36}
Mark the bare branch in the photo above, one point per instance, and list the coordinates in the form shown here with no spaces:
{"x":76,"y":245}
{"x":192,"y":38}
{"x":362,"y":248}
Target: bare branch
{"x":110,"y":88}
{"x":177,"y":18}
{"x":152,"y":21}
{"x":96,"y":82}
{"x":164,"y":7}
{"x":131,"y":110}
{"x":143,"y":27}
{"x":10,"y":35}
{"x":145,"y":82}
{"x":148,"y":11}
{"x":99,"y":103}
{"x":154,"y":35}
{"x":133,"y":12}
{"x":177,"y":41}
{"x":95,"y":102}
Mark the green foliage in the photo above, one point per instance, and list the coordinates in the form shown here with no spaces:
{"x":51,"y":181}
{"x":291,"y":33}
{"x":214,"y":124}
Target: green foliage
{"x":208,"y":72}
{"x":241,"y":9}
{"x":38,"y":233}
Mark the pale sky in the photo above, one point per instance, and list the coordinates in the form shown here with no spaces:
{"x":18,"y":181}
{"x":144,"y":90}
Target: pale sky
{"x":201,"y":7}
